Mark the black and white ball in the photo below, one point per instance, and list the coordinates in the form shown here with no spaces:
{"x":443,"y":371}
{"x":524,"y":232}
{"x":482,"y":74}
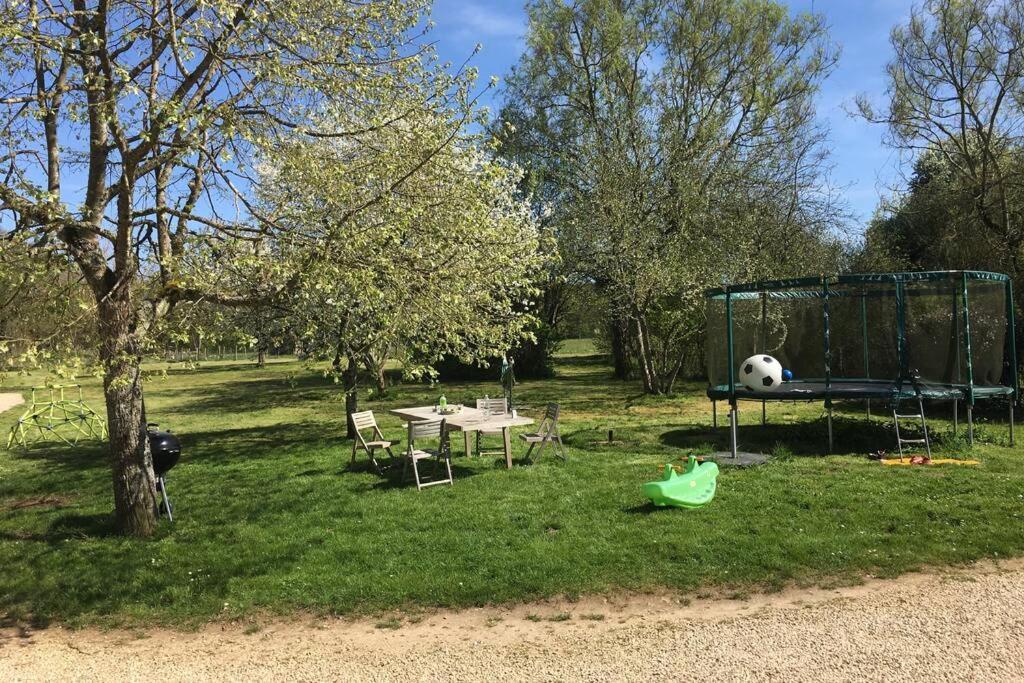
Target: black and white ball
{"x":761,"y":373}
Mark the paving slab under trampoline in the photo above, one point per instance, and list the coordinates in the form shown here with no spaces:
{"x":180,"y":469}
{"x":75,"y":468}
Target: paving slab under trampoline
{"x":741,"y":459}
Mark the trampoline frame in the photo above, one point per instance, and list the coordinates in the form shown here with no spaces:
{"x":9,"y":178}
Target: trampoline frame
{"x":892,"y":388}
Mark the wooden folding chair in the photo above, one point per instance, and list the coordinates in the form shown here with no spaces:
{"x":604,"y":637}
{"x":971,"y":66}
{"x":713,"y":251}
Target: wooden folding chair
{"x":493,"y":406}
{"x":547,"y":431}
{"x":365,"y":421}
{"x":418,"y":432}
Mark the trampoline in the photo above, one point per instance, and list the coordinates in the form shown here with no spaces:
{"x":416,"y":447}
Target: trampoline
{"x":937,"y":335}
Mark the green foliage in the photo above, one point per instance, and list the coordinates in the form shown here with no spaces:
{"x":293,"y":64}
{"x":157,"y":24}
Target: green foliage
{"x":440,"y":267}
{"x":178,"y":112}
{"x":932,"y":227}
{"x":953,"y":102}
{"x":534,"y":358}
{"x":46,"y":311}
{"x":667,"y":165}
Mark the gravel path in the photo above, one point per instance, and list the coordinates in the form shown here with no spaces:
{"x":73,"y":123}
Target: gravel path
{"x":8,"y":401}
{"x":957,"y":626}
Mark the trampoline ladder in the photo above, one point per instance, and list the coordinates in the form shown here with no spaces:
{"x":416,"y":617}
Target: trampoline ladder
{"x":897,"y":416}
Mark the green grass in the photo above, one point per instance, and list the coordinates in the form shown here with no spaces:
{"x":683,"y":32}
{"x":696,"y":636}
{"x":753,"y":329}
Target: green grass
{"x":575,"y":347}
{"x":271,"y":519}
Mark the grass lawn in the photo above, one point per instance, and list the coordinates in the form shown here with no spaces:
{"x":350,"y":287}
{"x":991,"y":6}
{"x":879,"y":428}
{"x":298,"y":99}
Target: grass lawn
{"x":271,"y":518}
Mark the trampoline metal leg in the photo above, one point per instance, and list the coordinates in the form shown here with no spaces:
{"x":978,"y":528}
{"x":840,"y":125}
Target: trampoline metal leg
{"x":1011,"y":421}
{"x":764,"y":413}
{"x":714,"y":414}
{"x":732,"y":430}
{"x":956,"y":416}
{"x":869,"y":408}
{"x":970,"y":424}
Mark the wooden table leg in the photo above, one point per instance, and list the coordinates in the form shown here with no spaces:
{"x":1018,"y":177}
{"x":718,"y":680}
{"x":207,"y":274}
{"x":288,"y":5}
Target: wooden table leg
{"x":465,"y":438}
{"x":506,"y":435}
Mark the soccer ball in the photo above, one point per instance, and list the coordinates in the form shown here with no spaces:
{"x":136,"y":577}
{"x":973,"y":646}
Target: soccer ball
{"x":761,"y":373}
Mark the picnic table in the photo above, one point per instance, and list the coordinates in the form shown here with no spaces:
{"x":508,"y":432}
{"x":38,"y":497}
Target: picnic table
{"x":469,"y":420}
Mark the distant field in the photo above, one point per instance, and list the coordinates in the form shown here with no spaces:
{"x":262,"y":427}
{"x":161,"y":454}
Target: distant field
{"x":271,"y":517}
{"x":576,"y":347}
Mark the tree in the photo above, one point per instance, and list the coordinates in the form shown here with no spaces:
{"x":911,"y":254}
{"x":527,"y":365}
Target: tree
{"x":161,"y":111}
{"x":438,"y":268}
{"x":932,"y":226}
{"x":44,"y":311}
{"x":954,"y":103}
{"x":677,"y":140}
{"x":954,"y":94}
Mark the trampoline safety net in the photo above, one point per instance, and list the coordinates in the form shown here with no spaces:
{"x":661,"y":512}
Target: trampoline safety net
{"x":868,"y":333}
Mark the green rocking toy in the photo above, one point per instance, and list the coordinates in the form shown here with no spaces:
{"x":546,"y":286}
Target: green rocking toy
{"x":694,"y":488}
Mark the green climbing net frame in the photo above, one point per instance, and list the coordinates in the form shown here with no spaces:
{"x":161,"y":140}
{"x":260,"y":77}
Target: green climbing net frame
{"x":53,"y":416}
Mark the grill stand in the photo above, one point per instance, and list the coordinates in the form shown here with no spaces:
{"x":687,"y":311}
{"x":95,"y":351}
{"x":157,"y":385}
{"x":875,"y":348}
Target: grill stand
{"x":161,"y":486}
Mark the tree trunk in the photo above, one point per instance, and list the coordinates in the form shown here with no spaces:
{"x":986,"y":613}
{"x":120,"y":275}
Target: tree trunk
{"x":350,"y":380}
{"x":131,"y":461}
{"x":648,"y":368}
{"x":376,"y":369}
{"x":620,"y":349}
{"x":673,"y":374}
{"x":261,"y":357}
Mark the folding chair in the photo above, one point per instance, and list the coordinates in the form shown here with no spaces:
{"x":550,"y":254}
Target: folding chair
{"x":494,"y":406}
{"x":547,"y":431}
{"x":418,"y":432}
{"x":365,"y":421}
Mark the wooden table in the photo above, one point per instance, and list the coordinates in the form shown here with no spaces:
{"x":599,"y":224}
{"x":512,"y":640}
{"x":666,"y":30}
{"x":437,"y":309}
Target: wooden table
{"x":467,"y":421}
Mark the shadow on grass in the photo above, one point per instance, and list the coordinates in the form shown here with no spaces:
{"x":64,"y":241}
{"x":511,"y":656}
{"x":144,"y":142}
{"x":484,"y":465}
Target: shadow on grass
{"x":82,"y":457}
{"x":310,"y":390}
{"x":254,"y":443}
{"x":67,"y":527}
{"x":647,"y":508}
{"x":851,"y":436}
{"x":258,"y":394}
{"x":393,"y":479}
{"x":593,"y":362}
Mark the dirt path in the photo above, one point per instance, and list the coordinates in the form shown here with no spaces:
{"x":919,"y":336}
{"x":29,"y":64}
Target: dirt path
{"x":8,"y":401}
{"x":956,"y":626}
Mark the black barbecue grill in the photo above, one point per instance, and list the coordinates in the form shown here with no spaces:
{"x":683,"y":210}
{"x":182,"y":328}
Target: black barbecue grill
{"x":166,"y":451}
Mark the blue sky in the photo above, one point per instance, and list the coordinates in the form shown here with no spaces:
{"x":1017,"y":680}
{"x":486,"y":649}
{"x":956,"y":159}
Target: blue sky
{"x":864,"y":168}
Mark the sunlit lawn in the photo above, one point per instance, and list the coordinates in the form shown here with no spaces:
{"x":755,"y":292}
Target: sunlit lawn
{"x":271,"y":518}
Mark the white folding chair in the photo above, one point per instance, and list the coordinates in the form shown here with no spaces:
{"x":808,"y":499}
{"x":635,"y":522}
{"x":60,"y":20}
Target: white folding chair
{"x":418,"y":432}
{"x":494,"y":406}
{"x":365,"y":421}
{"x":547,"y":431}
